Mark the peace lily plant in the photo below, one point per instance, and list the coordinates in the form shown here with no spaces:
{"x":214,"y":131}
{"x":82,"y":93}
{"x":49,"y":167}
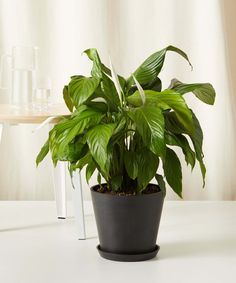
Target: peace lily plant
{"x":125,"y":128}
{"x":128,"y":129}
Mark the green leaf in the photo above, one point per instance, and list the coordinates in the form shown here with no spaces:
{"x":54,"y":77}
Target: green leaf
{"x":166,"y":99}
{"x":107,"y":90}
{"x":81,"y":88}
{"x":90,"y":169}
{"x":64,"y":132}
{"x":173,"y":171}
{"x":99,"y":179}
{"x":174,"y":126}
{"x":147,"y":167}
{"x":97,"y":139}
{"x":43,"y":152}
{"x":155,"y":85}
{"x":97,"y":65}
{"x":172,"y":123}
{"x":85,"y":119}
{"x":203,"y":91}
{"x":161,"y":183}
{"x":151,"y":67}
{"x":121,"y":79}
{"x":131,"y":161}
{"x":115,"y":182}
{"x":182,"y":142}
{"x":197,"y":139}
{"x":203,"y":171}
{"x":109,"y":93}
{"x":86,"y":159}
{"x":98,"y":105}
{"x":121,"y":124}
{"x":67,"y":99}
{"x":75,"y":151}
{"x":149,"y":121}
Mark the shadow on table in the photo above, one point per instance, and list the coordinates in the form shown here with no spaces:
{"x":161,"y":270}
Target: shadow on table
{"x":35,"y":226}
{"x":42,"y":225}
{"x":203,"y":247}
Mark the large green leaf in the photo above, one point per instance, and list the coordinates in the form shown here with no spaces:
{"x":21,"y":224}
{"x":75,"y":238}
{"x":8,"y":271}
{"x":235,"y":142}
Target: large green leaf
{"x":109,"y":93}
{"x":98,"y":105}
{"x":90,"y":169}
{"x":110,"y":98}
{"x":43,"y":152}
{"x":86,"y":159}
{"x":197,"y":139}
{"x":155,"y":85}
{"x":67,"y":130}
{"x":173,"y":125}
{"x":81,"y":162}
{"x":68,"y":122}
{"x":131,"y":161}
{"x":97,"y":139}
{"x":81,"y":88}
{"x":115,"y":157}
{"x":149,"y":122}
{"x":74,"y":151}
{"x":151,"y":67}
{"x":115,"y":164}
{"x":204,"y":91}
{"x":147,"y":167}
{"x":67,"y":99}
{"x":173,"y":171}
{"x":166,"y":99}
{"x":97,"y":65}
{"x":181,"y":141}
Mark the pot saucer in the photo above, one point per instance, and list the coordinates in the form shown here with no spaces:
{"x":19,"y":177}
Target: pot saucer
{"x":128,"y":257}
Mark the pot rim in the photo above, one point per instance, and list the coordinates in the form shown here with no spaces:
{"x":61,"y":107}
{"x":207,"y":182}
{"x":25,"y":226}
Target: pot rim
{"x":117,"y":195}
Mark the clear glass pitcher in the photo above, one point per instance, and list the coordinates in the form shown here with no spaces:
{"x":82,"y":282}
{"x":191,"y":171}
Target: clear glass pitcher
{"x":23,"y":62}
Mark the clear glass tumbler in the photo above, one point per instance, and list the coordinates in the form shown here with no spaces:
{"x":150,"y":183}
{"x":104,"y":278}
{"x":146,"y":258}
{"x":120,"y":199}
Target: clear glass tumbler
{"x":41,"y":94}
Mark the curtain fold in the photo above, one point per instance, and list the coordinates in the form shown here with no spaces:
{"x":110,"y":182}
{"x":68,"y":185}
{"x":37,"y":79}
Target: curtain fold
{"x":127,"y":31}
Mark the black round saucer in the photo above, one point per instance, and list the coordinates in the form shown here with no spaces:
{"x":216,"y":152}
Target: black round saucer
{"x":128,"y":257}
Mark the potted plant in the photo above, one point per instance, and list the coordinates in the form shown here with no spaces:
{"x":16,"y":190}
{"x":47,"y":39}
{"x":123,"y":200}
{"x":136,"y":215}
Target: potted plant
{"x":127,"y":129}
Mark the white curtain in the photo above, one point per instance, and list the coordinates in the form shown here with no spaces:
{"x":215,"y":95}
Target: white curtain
{"x":128,"y":31}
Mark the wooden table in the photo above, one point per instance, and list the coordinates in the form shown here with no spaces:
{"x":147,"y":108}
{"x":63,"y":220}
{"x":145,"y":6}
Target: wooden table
{"x":12,"y":115}
{"x":15,"y":114}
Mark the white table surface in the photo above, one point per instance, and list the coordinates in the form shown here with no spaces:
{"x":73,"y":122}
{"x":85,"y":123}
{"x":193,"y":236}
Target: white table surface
{"x":197,"y":239}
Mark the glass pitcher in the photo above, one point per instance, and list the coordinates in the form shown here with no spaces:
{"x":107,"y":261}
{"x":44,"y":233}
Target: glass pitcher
{"x":23,"y":66}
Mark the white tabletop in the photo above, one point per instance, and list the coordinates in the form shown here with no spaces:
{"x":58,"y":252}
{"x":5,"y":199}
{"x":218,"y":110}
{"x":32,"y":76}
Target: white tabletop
{"x":197,"y":239}
{"x":15,"y":114}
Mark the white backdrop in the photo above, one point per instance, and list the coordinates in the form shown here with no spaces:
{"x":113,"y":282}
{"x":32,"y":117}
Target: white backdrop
{"x":129,"y":31}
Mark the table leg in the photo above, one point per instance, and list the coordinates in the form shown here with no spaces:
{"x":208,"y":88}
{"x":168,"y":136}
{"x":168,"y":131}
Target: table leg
{"x":78,"y":205}
{"x":59,"y":181}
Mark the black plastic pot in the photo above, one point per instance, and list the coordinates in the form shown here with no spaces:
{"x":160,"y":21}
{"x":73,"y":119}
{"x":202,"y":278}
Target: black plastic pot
{"x":127,"y":225}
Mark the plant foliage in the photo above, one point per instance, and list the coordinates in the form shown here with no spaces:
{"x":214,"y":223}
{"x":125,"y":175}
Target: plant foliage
{"x":127,"y":128}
